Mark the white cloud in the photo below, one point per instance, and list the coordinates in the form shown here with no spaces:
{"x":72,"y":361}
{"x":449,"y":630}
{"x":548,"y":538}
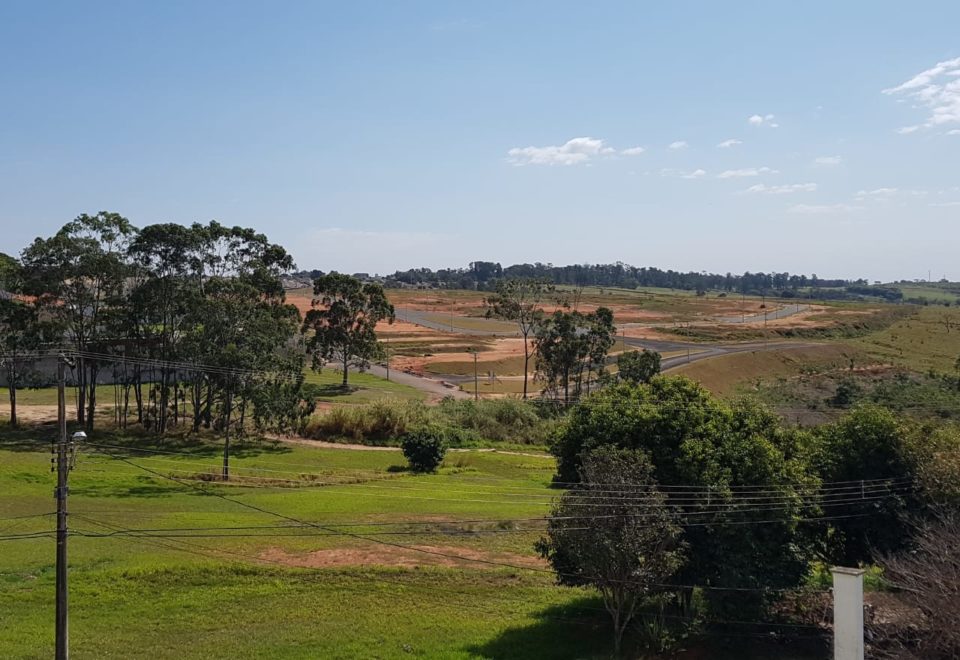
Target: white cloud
{"x":885,"y":194}
{"x":827,"y":161}
{"x":762,"y":120}
{"x":782,"y":190}
{"x":633,"y":151}
{"x":954,"y":131}
{"x":679,"y":144}
{"x":907,"y":130}
{"x":684,"y":174}
{"x":747,"y":171}
{"x":572,"y":152}
{"x":732,"y":142}
{"x":938,"y":90}
{"x":945,"y":204}
{"x":823,"y":209}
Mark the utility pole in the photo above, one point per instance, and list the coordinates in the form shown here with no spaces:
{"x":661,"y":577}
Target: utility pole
{"x":476,"y":386}
{"x":64,"y":451}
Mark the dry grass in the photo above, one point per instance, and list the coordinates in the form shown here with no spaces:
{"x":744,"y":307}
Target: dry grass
{"x":930,"y":339}
{"x":727,"y":373}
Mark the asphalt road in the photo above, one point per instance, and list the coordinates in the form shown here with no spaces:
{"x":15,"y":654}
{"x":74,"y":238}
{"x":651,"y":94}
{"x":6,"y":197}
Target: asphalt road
{"x":697,"y":351}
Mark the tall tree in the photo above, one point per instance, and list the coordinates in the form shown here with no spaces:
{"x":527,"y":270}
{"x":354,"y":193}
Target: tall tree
{"x":615,"y":532}
{"x":567,"y":344}
{"x":638,"y":366}
{"x":709,"y":446}
{"x":521,"y":300}
{"x":343,"y":322}
{"x":21,"y":332}
{"x":78,"y":276}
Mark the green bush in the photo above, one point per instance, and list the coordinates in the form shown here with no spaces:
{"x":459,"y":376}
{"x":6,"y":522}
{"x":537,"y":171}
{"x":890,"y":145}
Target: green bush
{"x":464,"y":423}
{"x":424,"y":448}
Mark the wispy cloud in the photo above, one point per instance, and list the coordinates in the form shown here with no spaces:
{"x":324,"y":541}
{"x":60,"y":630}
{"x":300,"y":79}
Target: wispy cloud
{"x":782,"y":190}
{"x":824,"y":209}
{"x":573,"y":152}
{"x":698,"y":173}
{"x":633,"y":151}
{"x":679,"y":144}
{"x":827,"y":161}
{"x":878,"y":192}
{"x":938,"y":90}
{"x":885,"y":194}
{"x":945,"y":204}
{"x":763,"y":120}
{"x":732,"y":142}
{"x":954,"y":131}
{"x":747,"y":171}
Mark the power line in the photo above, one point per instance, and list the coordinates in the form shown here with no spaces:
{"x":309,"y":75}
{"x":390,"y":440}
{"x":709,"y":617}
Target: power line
{"x":436,"y":552}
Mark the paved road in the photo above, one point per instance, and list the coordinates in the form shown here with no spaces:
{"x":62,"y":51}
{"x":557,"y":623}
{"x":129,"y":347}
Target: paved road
{"x":431,"y":386}
{"x":697,"y":351}
{"x":419,"y":317}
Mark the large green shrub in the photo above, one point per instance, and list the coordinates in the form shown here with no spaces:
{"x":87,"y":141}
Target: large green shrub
{"x":425,"y":448}
{"x":463,"y":422}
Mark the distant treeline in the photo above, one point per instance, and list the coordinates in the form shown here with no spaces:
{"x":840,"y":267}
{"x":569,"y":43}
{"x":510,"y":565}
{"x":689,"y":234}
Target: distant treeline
{"x":483,"y":275}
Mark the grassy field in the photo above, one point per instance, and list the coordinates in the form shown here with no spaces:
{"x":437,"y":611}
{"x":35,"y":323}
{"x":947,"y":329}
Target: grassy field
{"x":364,"y":387}
{"x":731,"y":373}
{"x":934,"y":293}
{"x":294,"y":593}
{"x":929,"y":339}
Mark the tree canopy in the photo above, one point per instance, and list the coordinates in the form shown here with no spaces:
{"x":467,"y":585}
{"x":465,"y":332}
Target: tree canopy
{"x":343,"y":322}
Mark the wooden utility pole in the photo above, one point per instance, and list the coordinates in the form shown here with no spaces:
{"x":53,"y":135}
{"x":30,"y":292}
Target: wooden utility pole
{"x":476,"y":385}
{"x":62,"y":461}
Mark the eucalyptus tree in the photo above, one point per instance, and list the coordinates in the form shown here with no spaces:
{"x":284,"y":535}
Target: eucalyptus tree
{"x":567,"y":344}
{"x":168,"y":260}
{"x":638,"y":366}
{"x":79,"y":277}
{"x":521,"y":300}
{"x":341,"y":327}
{"x":21,"y":331}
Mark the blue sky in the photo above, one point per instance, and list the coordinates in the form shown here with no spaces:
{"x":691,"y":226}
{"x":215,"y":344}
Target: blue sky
{"x":371,"y":136}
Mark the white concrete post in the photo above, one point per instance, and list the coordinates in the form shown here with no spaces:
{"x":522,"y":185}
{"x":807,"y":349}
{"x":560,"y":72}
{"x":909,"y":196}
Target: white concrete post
{"x":847,"y":613}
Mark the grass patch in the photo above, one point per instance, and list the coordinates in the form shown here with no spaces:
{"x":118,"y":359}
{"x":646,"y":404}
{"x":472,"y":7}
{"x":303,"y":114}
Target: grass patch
{"x":467,"y":423}
{"x":728,"y":374}
{"x":928,"y":339}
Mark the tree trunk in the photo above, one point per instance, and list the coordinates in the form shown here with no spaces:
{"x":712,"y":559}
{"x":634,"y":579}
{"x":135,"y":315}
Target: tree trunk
{"x":617,"y":633}
{"x":92,"y":398}
{"x":346,"y":361}
{"x":226,"y":440}
{"x":81,"y":393}
{"x":138,"y":395}
{"x":12,"y":387}
{"x":526,"y":364}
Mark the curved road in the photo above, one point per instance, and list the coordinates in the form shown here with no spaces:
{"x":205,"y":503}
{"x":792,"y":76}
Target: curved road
{"x":697,"y":352}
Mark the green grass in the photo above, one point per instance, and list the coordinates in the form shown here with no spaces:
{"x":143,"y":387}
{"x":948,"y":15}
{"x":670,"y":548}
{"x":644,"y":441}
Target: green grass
{"x":934,"y":293}
{"x":47,"y":396}
{"x":363,"y":387}
{"x":182,"y":598}
{"x":920,"y":342}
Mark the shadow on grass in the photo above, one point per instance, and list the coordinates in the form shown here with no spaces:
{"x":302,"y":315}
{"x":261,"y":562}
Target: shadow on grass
{"x":147,"y":487}
{"x":32,"y":437}
{"x":329,"y":391}
{"x":573,"y":630}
